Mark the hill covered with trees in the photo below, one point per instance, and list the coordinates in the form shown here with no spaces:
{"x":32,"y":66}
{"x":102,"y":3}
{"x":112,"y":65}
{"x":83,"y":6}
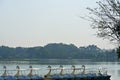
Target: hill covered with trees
{"x":58,"y":51}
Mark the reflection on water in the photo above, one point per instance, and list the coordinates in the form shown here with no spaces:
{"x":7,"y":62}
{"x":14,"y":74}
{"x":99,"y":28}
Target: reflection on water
{"x":48,"y":61}
{"x":118,"y":72}
{"x":112,"y":67}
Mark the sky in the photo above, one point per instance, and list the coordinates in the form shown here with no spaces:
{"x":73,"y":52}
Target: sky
{"x":29,"y":23}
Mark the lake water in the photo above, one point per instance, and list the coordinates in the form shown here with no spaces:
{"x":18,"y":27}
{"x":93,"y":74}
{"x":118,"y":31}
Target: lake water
{"x":113,"y":68}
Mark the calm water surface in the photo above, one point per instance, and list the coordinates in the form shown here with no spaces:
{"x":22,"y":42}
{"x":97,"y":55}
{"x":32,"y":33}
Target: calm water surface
{"x":113,"y":68}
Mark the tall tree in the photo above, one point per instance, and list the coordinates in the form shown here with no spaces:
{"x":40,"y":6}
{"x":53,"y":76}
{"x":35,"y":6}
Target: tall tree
{"x":106,"y":19}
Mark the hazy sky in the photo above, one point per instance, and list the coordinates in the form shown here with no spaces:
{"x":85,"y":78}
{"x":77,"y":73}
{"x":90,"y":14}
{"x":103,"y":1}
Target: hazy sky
{"x":29,"y":23}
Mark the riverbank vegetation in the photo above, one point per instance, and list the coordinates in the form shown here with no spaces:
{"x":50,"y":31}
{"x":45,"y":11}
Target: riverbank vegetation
{"x":106,"y":20}
{"x":57,"y":51}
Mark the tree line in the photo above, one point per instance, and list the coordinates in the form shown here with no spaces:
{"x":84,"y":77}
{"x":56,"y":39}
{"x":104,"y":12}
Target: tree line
{"x":58,"y":51}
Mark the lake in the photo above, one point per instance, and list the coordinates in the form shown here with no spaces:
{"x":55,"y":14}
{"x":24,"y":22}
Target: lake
{"x":113,"y":68}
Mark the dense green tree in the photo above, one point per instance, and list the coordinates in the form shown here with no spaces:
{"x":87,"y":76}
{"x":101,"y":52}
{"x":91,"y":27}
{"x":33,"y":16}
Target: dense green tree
{"x":118,"y":51}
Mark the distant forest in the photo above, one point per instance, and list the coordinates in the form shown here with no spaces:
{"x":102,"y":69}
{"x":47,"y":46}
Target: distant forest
{"x":57,"y":51}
